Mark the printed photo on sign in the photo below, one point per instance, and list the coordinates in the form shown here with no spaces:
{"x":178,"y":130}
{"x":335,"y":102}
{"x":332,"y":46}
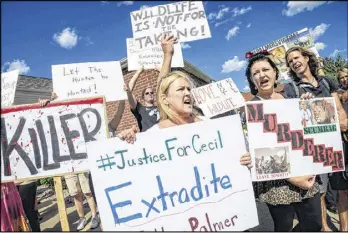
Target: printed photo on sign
{"x":39,"y":142}
{"x":278,"y":48}
{"x":309,"y":129}
{"x":278,"y":57}
{"x":187,"y":19}
{"x":183,"y":178}
{"x":317,"y":113}
{"x":90,"y":79}
{"x":272,"y":162}
{"x":151,"y":57}
{"x":8,"y":87}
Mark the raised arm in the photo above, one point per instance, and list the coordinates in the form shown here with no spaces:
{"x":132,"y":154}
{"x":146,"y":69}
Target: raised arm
{"x":167,"y":43}
{"x":129,"y":88}
{"x":118,"y":116}
{"x":342,"y":116}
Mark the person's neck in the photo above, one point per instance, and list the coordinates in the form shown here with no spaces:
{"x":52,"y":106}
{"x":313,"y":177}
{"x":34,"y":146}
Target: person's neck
{"x":147,"y":104}
{"x":181,"y":120}
{"x":307,"y":76}
{"x":266,"y":95}
{"x":175,"y":122}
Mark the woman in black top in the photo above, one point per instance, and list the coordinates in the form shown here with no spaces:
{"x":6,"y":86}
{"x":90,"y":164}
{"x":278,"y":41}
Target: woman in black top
{"x":287,"y":196}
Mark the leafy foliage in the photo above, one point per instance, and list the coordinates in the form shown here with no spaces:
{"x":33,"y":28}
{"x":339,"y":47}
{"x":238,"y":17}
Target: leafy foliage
{"x":47,"y":181}
{"x":333,"y":64}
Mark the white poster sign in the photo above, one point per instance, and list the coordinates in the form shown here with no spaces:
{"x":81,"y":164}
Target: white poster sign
{"x":218,"y":97}
{"x":49,"y":141}
{"x":290,"y":138}
{"x":278,"y":48}
{"x":187,"y":19}
{"x":80,"y":80}
{"x":184,"y":178}
{"x":8,"y":87}
{"x":150,"y":58}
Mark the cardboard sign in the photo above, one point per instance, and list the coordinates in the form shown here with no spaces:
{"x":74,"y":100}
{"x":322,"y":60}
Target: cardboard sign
{"x":279,"y":47}
{"x":187,"y":19}
{"x":8,"y":87}
{"x":218,"y":97}
{"x":40,"y":142}
{"x":184,"y":178}
{"x":90,"y":79}
{"x":289,"y":138}
{"x":150,"y":58}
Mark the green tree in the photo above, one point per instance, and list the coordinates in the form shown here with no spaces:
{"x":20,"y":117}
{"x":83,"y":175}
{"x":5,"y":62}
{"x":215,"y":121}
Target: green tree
{"x":332,"y":64}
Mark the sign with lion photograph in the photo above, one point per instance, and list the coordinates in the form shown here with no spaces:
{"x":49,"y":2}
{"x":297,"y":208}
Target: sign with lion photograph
{"x":302,"y":139}
{"x":278,"y":48}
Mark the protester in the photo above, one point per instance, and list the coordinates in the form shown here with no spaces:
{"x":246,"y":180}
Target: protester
{"x":78,"y":184}
{"x":27,"y":192}
{"x":147,"y":114}
{"x":339,"y":180}
{"x":342,"y":77}
{"x":174,"y":97}
{"x":13,"y":217}
{"x":116,"y":120}
{"x":331,"y":198}
{"x":303,"y":71}
{"x":297,"y":195}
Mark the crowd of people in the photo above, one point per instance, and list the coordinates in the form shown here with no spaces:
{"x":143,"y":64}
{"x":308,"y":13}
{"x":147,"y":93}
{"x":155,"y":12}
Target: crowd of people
{"x":171,"y":103}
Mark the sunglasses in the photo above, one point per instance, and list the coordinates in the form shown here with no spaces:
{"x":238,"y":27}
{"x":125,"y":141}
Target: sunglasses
{"x":147,"y":93}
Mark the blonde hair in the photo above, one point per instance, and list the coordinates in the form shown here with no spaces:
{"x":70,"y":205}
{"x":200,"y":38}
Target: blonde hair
{"x":162,"y":89}
{"x":342,"y":70}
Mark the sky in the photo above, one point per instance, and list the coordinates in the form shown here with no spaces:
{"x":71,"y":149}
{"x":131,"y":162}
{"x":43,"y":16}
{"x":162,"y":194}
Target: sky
{"x":36,"y":35}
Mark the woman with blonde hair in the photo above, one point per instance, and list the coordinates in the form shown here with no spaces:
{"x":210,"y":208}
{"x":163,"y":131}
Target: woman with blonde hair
{"x":174,"y":97}
{"x":342,"y":77}
{"x":175,"y":101}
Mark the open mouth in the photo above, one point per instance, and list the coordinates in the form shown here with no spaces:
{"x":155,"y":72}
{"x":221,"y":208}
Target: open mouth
{"x":188,"y":102}
{"x":297,"y":66}
{"x":264,"y":82}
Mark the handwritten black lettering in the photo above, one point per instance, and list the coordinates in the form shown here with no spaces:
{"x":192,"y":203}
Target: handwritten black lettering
{"x":7,"y":149}
{"x":69,"y":135}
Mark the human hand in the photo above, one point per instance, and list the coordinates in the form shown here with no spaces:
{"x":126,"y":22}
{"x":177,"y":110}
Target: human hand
{"x":128,"y":135}
{"x":246,"y":160}
{"x":307,"y":96}
{"x":167,"y":44}
{"x":43,"y":102}
{"x":303,"y":182}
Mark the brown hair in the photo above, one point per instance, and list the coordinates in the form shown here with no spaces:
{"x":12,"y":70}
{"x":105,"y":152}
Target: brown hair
{"x":261,"y":56}
{"x":312,"y":63}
